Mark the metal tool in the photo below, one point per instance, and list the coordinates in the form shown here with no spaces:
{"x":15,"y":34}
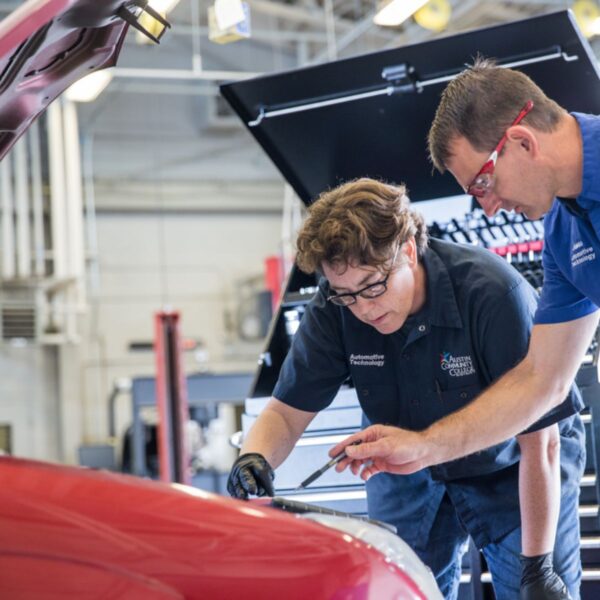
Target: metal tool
{"x":314,"y":476}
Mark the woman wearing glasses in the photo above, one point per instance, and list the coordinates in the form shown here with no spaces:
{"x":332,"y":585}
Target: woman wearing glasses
{"x":422,"y":326}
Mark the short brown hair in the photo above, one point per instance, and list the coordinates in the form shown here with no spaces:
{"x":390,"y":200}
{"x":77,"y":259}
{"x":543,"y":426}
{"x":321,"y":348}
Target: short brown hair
{"x":360,"y":223}
{"x":480,"y":104}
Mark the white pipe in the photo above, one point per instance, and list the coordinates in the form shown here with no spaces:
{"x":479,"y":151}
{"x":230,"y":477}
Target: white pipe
{"x":263,"y":35}
{"x":39,"y":254}
{"x":349,"y":37}
{"x":91,"y":233}
{"x":75,"y":238}
{"x":132,"y":73}
{"x":330,"y":28}
{"x":22,"y":210}
{"x":196,"y":35}
{"x":74,"y":190}
{"x":8,"y":233}
{"x":57,"y":190}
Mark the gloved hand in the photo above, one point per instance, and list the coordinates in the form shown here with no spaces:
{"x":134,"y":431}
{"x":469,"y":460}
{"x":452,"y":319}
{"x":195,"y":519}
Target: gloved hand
{"x":251,"y":475}
{"x":539,"y":581}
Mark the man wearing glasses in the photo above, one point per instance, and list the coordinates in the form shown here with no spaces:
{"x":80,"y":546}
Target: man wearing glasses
{"x":544,"y":161}
{"x":422,"y":327}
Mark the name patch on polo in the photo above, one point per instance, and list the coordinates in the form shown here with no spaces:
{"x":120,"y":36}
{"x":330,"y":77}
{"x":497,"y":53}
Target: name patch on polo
{"x":367,"y":360}
{"x":581,"y":254}
{"x":456,"y":366}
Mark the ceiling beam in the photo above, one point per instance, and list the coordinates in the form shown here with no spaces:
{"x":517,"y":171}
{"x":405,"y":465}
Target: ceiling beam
{"x":303,"y":16}
{"x":361,"y":27}
{"x":414,"y":33}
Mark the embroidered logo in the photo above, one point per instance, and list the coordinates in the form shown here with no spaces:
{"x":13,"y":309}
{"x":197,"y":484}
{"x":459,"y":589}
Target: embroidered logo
{"x":367,"y":360}
{"x":581,"y":254}
{"x":457,"y":366}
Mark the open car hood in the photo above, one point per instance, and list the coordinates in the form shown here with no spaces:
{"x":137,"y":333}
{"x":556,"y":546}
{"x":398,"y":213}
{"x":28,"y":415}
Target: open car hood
{"x":45,"y":46}
{"x":369,"y":116}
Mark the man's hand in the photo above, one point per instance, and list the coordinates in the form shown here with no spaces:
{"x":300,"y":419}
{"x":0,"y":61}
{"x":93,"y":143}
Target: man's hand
{"x":251,"y":475}
{"x":539,"y":581}
{"x":381,"y":448}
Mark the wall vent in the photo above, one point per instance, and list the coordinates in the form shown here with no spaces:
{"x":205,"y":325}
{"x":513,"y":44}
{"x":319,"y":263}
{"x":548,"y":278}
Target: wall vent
{"x":18,"y":322}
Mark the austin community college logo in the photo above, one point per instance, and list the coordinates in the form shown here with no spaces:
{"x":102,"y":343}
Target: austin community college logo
{"x":457,"y":366}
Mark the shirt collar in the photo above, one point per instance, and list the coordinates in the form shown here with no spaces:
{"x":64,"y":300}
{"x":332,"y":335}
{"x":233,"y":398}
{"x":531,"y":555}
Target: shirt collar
{"x":441,"y":307}
{"x":590,"y":135}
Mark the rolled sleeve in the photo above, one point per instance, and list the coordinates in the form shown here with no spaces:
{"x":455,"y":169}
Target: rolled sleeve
{"x":316,"y":365}
{"x":560,"y":301}
{"x":504,"y":329}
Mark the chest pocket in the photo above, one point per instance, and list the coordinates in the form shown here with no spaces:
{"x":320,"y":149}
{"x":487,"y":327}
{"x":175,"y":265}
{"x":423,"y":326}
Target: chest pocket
{"x":449,"y":401}
{"x":379,"y":402}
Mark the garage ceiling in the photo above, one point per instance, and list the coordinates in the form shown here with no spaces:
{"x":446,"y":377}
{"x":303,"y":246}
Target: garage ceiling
{"x":161,"y":118}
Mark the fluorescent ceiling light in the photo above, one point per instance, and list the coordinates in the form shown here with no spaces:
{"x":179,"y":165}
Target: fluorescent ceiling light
{"x":587,"y":15}
{"x":229,"y":13}
{"x":89,"y":87}
{"x":152,"y":25}
{"x":397,"y":11}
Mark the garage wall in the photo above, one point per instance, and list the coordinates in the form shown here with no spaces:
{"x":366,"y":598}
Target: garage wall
{"x":182,"y":256}
{"x":29,"y":400}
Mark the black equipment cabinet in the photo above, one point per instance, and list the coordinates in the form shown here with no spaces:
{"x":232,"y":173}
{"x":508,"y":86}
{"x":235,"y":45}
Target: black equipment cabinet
{"x":370,"y":115}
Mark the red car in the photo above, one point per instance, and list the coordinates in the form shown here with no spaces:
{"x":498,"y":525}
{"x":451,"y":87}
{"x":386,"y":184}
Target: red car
{"x":70,"y":532}
{"x":76,"y":533}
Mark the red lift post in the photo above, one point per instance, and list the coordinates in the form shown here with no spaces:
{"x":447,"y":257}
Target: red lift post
{"x":171,"y":398}
{"x":274,"y":277}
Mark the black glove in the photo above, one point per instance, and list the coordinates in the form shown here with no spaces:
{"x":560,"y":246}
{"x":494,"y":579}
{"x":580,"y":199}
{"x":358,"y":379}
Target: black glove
{"x":539,"y":580}
{"x":251,"y":475}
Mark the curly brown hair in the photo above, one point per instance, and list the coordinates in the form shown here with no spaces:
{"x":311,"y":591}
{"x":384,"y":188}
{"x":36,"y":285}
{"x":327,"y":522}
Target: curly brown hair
{"x":479,"y":105}
{"x":359,"y":222}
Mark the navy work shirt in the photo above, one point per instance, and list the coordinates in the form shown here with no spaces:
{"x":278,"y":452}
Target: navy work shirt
{"x":571,"y":255}
{"x":474,"y":327}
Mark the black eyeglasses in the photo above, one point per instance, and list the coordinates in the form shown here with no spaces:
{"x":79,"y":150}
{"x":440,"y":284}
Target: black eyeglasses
{"x":373,"y":290}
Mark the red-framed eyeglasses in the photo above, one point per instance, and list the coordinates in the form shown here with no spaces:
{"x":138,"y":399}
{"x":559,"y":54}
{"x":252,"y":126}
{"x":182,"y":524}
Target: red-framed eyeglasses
{"x":483,"y":182}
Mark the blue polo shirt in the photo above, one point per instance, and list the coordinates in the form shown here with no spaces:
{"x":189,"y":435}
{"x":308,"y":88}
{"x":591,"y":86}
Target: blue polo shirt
{"x":474,"y":326}
{"x":571,"y":256}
